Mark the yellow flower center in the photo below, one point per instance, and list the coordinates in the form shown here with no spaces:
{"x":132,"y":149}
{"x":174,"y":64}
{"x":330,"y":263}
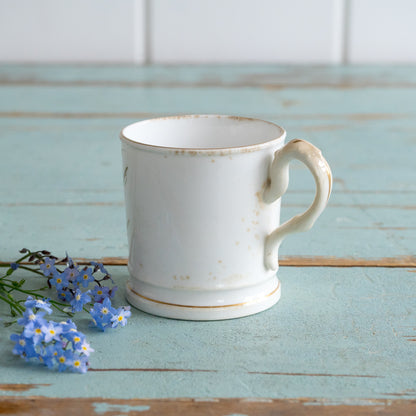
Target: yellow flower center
{"x":120,"y":318}
{"x":48,"y":266}
{"x":99,"y":292}
{"x":58,"y":280}
{"x":104,"y":311}
{"x":22,"y":342}
{"x":77,"y":339}
{"x":32,"y":317}
{"x":61,"y":360}
{"x":85,"y":276}
{"x":78,"y":297}
{"x":77,"y":363}
{"x":52,"y":331}
{"x":38,"y":331}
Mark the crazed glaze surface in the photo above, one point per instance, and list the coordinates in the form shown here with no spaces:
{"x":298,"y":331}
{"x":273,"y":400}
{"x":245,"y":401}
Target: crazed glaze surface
{"x":200,"y":220}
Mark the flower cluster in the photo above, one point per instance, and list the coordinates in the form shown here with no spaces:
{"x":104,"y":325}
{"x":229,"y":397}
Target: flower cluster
{"x":56,"y":345}
{"x":73,"y":282}
{"x":105,"y":316}
{"x":73,"y":286}
{"x":78,"y":288}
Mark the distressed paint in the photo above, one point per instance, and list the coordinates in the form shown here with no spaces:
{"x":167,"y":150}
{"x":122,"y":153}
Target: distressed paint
{"x":39,"y":406}
{"x":104,"y":407}
{"x":239,"y":76}
{"x":99,"y":232}
{"x":400,"y":261}
{"x":257,"y":102}
{"x":336,"y":333}
{"x":341,"y":336}
{"x":18,"y":387}
{"x":379,"y":200}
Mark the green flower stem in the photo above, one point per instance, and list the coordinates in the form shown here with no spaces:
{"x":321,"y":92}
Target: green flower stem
{"x":36,"y":295}
{"x":12,"y":303}
{"x":10,"y":282}
{"x":24,"y":257}
{"x":31,"y":270}
{"x":17,"y":261}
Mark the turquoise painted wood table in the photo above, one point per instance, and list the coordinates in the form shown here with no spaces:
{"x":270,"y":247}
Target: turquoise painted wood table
{"x":342,"y":340}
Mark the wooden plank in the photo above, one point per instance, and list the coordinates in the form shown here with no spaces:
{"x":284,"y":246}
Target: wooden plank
{"x":291,"y":261}
{"x":41,"y":406}
{"x":207,"y":76}
{"x":341,"y":337}
{"x":374,"y":195}
{"x":257,"y":102}
{"x":18,"y":387}
{"x":340,"y":334}
{"x":317,"y":261}
{"x":98,"y":231}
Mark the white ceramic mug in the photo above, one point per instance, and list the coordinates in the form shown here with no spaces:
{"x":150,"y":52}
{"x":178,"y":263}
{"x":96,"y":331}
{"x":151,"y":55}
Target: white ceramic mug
{"x":203,"y":205}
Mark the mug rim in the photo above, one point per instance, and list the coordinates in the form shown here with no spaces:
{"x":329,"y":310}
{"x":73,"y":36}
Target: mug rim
{"x":204,"y":150}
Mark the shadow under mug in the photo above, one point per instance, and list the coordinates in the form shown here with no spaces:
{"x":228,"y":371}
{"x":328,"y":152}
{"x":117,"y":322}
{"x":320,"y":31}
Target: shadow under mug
{"x":203,"y":206}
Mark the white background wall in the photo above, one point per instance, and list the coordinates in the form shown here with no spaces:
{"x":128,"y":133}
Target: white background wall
{"x":204,"y":31}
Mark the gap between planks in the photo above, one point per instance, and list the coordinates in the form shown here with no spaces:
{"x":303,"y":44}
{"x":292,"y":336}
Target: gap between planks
{"x":41,"y":405}
{"x":256,"y":82}
{"x":121,"y":203}
{"x":315,"y":261}
{"x":356,"y":117}
{"x":265,"y":373}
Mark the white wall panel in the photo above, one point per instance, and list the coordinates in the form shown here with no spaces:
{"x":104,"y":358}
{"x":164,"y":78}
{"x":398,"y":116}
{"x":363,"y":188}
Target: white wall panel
{"x":72,"y":31}
{"x":382,"y":31}
{"x":246,"y":31}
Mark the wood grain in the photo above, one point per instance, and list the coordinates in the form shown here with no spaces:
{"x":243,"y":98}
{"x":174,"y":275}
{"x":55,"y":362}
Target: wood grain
{"x":241,"y":76}
{"x":196,"y":370}
{"x":342,"y":338}
{"x":316,"y":261}
{"x":19,"y":387}
{"x":42,"y":406}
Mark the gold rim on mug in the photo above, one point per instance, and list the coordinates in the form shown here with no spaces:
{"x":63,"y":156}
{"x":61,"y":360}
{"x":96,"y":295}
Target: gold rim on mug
{"x":207,"y":307}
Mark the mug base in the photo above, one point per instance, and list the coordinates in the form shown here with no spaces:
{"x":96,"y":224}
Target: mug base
{"x":202,"y":313}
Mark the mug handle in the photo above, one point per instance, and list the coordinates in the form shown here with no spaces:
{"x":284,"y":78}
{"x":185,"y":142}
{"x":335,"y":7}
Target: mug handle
{"x":278,"y":182}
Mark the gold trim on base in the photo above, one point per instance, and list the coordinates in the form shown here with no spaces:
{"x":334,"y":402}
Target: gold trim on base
{"x":205,"y":307}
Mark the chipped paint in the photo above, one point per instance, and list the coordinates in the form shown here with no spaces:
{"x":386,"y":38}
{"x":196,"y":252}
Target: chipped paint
{"x":38,"y":406}
{"x":19,"y":387}
{"x":294,"y":261}
{"x":278,"y":373}
{"x":104,"y":407}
